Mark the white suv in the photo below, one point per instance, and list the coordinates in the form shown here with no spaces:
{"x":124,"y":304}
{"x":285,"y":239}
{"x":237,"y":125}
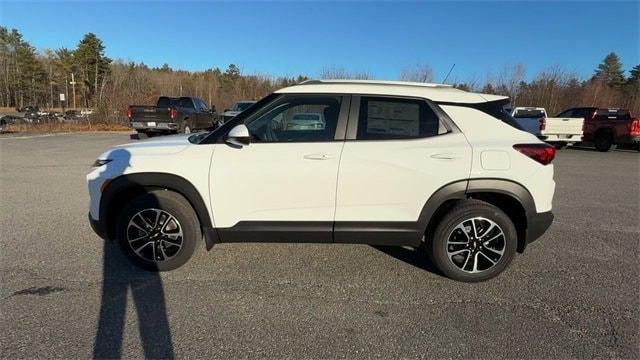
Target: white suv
{"x":402,"y":164}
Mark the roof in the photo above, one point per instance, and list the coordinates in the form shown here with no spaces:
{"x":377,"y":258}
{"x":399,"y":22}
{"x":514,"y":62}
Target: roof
{"x":435,"y":92}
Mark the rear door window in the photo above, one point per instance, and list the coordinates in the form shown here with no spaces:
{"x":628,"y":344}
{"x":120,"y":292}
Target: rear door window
{"x":392,"y":118}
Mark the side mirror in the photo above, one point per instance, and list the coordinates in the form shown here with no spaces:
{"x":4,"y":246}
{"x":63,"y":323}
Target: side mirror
{"x":238,"y":136}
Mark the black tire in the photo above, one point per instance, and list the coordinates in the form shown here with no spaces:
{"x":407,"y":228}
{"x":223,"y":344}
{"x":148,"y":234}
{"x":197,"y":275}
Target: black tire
{"x":142,"y":135}
{"x":438,"y":247}
{"x":185,"y":128}
{"x":170,"y":203}
{"x":603,"y":141}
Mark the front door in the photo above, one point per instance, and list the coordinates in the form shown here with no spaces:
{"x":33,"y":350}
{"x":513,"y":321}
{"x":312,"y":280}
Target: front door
{"x":282,"y":186}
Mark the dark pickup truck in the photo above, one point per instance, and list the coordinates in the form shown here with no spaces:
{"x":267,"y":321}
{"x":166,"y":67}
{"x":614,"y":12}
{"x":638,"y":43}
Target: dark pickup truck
{"x":172,"y":115}
{"x":605,"y":127}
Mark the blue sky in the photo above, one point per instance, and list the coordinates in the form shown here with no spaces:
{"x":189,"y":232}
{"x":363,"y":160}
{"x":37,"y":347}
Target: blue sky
{"x":381,"y":38}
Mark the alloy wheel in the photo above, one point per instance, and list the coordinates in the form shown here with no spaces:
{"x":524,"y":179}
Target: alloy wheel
{"x":476,"y":245}
{"x":154,"y":235}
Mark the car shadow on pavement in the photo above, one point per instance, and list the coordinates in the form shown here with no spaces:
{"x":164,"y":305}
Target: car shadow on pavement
{"x":409,"y":256}
{"x":119,"y":276}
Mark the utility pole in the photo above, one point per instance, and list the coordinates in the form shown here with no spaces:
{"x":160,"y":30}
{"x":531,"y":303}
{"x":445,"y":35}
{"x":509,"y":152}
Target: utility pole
{"x":73,"y":85}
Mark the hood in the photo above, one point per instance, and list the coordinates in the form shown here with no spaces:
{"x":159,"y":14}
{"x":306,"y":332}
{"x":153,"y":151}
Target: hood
{"x":162,"y":145}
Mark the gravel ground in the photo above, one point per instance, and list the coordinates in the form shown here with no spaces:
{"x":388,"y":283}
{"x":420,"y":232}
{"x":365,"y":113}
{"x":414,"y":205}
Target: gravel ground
{"x":65,"y":293}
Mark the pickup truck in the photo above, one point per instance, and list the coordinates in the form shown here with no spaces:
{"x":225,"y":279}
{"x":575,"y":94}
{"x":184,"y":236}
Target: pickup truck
{"x":528,"y":118}
{"x":172,"y":115}
{"x":560,"y":131}
{"x":607,"y":127}
{"x":237,"y":108}
{"x":563,"y":129}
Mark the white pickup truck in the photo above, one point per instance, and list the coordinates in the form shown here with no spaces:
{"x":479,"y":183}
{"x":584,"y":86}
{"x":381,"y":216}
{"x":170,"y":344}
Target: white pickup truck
{"x":564,"y":129}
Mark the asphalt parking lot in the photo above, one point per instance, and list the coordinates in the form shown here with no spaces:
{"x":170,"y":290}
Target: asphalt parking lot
{"x":65,"y":293}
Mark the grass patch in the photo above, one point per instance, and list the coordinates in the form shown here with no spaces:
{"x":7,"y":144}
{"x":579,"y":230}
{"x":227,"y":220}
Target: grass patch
{"x":56,"y":127}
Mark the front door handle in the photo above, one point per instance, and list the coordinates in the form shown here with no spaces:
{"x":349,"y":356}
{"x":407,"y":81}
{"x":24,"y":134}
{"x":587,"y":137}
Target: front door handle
{"x":445,"y":156}
{"x":319,"y":156}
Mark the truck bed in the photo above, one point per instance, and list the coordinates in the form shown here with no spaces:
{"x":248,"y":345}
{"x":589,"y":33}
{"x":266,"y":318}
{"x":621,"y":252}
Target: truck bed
{"x":562,"y":130}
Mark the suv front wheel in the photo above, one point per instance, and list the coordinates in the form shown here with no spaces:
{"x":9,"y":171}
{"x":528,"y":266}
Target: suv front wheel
{"x":159,"y":231}
{"x":474,"y":242}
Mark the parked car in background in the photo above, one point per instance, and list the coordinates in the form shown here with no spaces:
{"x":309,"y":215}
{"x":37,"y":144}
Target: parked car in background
{"x":28,"y":109}
{"x":6,"y":120}
{"x":393,"y":163}
{"x":607,"y":127}
{"x":306,"y":121}
{"x":71,"y":115}
{"x":11,"y":119}
{"x":528,"y":118}
{"x":237,"y":108}
{"x":172,"y":115}
{"x":86,"y":113}
{"x":563,"y":129}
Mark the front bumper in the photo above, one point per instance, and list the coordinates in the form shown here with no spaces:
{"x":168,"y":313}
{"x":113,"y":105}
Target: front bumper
{"x":537,"y":225}
{"x":98,"y":227}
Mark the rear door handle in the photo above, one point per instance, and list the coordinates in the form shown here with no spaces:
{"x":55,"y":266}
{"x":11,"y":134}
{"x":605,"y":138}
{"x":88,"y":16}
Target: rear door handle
{"x":445,"y":156}
{"x":318,"y":156}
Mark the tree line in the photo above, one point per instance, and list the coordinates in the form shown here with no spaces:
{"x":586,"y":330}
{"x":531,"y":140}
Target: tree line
{"x":89,"y":79}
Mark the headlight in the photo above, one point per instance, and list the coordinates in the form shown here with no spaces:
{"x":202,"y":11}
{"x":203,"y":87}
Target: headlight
{"x":101,"y":162}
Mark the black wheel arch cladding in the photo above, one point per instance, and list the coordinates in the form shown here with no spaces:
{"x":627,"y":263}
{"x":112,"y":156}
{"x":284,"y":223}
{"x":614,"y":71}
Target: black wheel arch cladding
{"x":123,"y":188}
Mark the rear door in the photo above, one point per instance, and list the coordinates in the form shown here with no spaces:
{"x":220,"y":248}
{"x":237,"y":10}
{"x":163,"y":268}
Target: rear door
{"x":398,"y":152}
{"x":188,"y":111}
{"x":202,"y":114}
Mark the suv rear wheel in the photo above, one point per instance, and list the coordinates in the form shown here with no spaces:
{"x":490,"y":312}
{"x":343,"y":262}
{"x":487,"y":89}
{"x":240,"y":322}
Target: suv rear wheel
{"x":476,"y":241}
{"x":159,"y":230}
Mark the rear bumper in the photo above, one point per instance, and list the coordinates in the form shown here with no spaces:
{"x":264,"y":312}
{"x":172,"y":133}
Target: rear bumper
{"x":537,"y":225}
{"x":561,"y":138}
{"x":159,"y":126}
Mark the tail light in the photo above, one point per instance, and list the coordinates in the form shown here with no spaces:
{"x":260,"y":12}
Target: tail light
{"x":129,"y":113}
{"x":542,"y":122}
{"x":542,"y":153}
{"x":634,"y":127}
{"x":174,"y":113}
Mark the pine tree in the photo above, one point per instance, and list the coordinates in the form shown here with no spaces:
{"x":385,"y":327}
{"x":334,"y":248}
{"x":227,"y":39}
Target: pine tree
{"x":634,"y":77}
{"x":610,"y":70}
{"x":93,"y":67}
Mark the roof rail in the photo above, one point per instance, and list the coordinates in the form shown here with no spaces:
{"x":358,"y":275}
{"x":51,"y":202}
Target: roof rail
{"x":374,"y":82}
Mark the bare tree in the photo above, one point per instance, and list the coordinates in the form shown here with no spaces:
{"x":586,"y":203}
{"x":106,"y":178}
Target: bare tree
{"x":417,"y":73}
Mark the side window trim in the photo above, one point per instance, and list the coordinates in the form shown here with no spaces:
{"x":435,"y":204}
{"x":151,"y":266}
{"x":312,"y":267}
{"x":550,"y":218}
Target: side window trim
{"x":343,"y":118}
{"x":354,"y":116}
